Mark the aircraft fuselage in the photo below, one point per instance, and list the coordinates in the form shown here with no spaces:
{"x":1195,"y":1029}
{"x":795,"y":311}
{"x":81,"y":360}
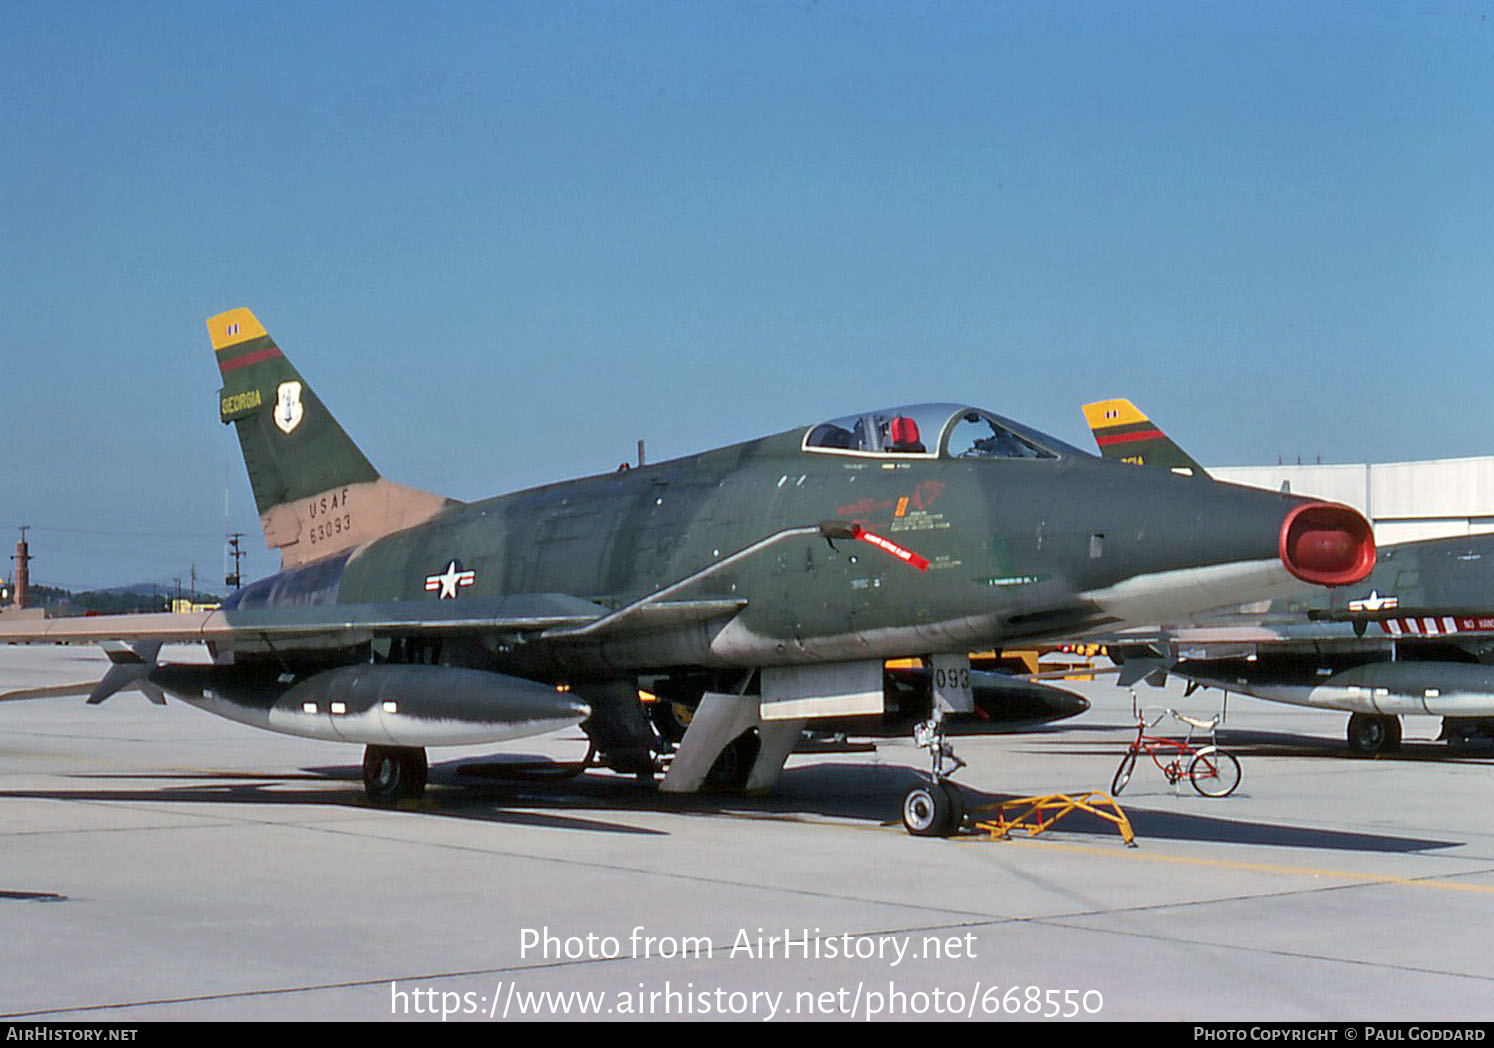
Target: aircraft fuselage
{"x":1016,"y":548}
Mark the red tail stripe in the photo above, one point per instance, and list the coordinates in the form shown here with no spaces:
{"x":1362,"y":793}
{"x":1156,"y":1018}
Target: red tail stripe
{"x":249,"y":358}
{"x":1126,"y":438}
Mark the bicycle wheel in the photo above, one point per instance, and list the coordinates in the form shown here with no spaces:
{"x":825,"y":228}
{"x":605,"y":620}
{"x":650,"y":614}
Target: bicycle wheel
{"x":1123,"y":773}
{"x":1213,"y":772}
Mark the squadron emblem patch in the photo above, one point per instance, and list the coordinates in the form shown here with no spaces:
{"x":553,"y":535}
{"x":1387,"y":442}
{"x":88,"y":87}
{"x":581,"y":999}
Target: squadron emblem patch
{"x":288,"y":409}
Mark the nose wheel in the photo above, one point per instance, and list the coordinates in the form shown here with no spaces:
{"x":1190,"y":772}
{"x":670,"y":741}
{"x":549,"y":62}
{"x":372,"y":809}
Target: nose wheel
{"x":935,"y":808}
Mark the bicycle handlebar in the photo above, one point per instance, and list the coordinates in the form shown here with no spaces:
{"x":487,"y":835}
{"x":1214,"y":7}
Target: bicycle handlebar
{"x":1203,"y":725}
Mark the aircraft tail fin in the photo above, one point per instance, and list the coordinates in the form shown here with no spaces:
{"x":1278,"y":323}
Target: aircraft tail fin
{"x":316,"y":492}
{"x":1124,"y":433}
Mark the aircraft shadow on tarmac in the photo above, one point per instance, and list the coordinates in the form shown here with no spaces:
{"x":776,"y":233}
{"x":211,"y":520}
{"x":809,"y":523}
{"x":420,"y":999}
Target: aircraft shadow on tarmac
{"x":489,"y":790}
{"x":245,"y":788}
{"x":485,"y":791}
{"x":1165,"y":825}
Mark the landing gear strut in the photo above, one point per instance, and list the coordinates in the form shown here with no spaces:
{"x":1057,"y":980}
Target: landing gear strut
{"x":393,"y":773}
{"x":935,"y":808}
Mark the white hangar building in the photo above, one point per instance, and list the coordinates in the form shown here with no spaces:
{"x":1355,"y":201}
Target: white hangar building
{"x":1404,"y":500}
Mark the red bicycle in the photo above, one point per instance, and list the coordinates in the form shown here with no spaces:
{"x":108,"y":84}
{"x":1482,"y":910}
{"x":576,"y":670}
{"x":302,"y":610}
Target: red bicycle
{"x":1213,"y":772}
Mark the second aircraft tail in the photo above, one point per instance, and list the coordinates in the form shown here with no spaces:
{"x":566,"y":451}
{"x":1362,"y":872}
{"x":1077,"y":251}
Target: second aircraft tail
{"x":1123,"y":432}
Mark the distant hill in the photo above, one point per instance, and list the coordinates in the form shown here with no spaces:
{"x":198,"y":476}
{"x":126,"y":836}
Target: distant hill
{"x":140,"y":596}
{"x":146,"y":589}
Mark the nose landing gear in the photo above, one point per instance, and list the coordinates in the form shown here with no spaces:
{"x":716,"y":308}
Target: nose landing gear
{"x":935,"y":808}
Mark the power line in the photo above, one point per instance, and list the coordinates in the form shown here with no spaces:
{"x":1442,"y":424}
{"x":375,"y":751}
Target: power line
{"x":129,"y":534}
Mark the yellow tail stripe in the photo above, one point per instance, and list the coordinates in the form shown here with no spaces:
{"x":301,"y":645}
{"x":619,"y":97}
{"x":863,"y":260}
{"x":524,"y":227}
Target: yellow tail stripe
{"x":231,"y":328}
{"x":1103,"y":414}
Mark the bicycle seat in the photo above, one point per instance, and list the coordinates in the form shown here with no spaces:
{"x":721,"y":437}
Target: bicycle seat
{"x":1206,"y":725}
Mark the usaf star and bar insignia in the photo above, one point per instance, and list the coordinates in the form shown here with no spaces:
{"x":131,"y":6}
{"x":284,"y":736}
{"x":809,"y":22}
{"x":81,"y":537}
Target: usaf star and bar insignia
{"x":448,"y":583}
{"x":1374,"y":602}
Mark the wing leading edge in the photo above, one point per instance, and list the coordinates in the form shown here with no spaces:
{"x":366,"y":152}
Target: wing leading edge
{"x":525,"y":614}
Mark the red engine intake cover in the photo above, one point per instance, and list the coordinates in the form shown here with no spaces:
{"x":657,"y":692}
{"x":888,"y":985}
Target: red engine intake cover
{"x":1327,"y":544}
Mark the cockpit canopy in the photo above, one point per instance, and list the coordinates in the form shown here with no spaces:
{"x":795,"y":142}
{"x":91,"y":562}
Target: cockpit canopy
{"x":932,"y":431}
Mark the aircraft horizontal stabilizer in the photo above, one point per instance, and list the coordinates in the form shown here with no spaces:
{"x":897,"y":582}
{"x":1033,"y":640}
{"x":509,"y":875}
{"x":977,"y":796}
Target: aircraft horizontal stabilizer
{"x":52,"y":691}
{"x":129,"y":670}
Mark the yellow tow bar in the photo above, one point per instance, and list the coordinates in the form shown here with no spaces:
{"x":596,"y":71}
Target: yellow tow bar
{"x":1033,"y":815}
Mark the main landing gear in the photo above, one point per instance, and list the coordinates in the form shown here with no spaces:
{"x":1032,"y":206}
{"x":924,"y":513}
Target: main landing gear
{"x":935,"y":808}
{"x":1371,"y":734}
{"x":393,"y":773}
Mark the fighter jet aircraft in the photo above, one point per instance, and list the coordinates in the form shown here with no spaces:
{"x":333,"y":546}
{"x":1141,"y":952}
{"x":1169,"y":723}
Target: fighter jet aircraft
{"x":771,"y":578}
{"x":1416,"y":636}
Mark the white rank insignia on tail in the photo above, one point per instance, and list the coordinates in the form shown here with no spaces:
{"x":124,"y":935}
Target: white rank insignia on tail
{"x":288,"y":409}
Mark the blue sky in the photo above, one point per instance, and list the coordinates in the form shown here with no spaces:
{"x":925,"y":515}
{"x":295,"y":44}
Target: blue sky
{"x":506,"y":241}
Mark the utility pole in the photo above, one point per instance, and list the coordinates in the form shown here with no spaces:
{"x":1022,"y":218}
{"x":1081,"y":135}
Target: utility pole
{"x":235,"y":579}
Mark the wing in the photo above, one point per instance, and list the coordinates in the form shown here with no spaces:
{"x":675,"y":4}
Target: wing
{"x":535,"y":616}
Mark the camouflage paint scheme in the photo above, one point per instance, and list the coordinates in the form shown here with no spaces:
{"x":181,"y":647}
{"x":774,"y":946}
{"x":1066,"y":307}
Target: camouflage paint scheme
{"x":1024,"y":537}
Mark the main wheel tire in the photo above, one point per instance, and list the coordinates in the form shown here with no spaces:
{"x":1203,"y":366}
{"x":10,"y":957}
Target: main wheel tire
{"x":393,"y":773}
{"x":1213,"y":772}
{"x":417,"y":770}
{"x":927,"y":811}
{"x":1370,"y":733}
{"x":733,"y":766}
{"x":1123,"y":773}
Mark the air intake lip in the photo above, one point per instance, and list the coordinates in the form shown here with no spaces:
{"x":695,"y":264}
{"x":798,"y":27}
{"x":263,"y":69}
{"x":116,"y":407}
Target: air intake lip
{"x":1327,"y":544}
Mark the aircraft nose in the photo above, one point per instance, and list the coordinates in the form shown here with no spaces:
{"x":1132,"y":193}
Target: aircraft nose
{"x":1327,"y":544}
